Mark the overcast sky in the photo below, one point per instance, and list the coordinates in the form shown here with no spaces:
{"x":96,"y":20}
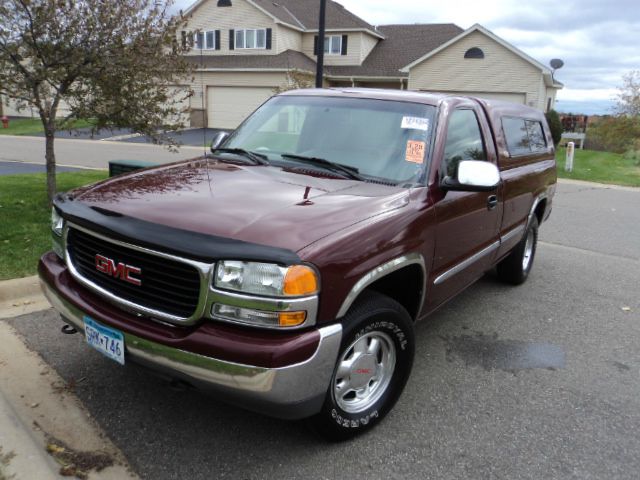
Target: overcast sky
{"x":598,"y":40}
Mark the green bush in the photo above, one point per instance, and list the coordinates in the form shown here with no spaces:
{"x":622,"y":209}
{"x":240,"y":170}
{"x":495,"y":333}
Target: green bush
{"x":553,"y":119}
{"x":614,"y":134}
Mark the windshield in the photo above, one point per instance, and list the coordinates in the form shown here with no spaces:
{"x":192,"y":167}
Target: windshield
{"x":378,"y":139}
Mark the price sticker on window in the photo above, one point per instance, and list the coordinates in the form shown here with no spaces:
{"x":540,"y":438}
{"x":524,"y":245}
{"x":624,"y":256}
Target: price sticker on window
{"x":415,"y":151}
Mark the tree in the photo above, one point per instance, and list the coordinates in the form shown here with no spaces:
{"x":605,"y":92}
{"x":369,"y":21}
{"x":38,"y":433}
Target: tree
{"x":628,"y":97}
{"x":112,"y":62}
{"x":553,"y":119}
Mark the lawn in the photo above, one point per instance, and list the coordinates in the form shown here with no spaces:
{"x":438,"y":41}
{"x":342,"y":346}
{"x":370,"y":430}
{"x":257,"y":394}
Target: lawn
{"x":601,"y":167}
{"x":25,"y":233}
{"x":32,"y":126}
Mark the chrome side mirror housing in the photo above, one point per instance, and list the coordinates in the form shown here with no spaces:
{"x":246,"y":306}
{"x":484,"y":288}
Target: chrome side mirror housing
{"x":218,"y":139}
{"x":473,"y":176}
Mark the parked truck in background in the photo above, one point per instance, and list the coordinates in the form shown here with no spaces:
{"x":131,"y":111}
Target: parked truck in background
{"x":285,"y":270}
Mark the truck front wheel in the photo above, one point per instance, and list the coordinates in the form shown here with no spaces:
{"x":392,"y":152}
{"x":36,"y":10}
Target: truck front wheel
{"x":516,"y":267}
{"x":372,"y":368}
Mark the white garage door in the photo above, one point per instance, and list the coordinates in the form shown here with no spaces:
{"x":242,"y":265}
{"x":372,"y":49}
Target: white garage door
{"x":229,"y":106}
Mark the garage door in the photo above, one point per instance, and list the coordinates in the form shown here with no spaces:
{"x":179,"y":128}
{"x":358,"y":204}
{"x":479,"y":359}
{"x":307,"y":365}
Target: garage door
{"x":229,"y":106}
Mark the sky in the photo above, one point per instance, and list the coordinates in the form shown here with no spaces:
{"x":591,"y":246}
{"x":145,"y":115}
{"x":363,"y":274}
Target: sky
{"x":598,"y":40}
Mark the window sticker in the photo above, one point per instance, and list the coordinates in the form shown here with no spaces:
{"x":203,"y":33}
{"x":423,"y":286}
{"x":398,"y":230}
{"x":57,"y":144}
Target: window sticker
{"x":415,"y":151}
{"x":415,"y":123}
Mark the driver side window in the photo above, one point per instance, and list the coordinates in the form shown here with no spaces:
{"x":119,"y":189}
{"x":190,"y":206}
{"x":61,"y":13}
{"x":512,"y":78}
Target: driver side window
{"x":464,"y":141}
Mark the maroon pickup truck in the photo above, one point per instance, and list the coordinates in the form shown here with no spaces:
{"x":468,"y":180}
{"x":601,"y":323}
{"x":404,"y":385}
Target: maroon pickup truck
{"x":285,"y":270}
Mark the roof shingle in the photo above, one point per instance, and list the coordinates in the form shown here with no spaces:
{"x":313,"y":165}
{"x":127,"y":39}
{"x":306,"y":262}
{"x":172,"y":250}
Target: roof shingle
{"x":403,"y":44}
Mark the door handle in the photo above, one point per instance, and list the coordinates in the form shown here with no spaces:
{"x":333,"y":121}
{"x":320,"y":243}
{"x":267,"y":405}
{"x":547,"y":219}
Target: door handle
{"x":492,"y":202}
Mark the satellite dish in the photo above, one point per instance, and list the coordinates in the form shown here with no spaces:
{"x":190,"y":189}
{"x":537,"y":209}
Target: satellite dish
{"x":556,"y":63}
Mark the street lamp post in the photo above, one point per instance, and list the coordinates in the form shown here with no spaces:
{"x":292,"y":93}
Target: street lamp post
{"x":320,"y":52}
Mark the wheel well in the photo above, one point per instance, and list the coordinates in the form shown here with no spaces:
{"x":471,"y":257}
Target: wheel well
{"x":404,"y":286}
{"x":540,"y":208}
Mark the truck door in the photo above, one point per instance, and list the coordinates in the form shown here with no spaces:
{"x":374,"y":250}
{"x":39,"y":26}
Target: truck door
{"x":467,"y":231}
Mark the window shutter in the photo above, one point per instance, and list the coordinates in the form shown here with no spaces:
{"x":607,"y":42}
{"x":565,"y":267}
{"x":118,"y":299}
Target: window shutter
{"x":268,"y":40}
{"x":315,"y":45}
{"x":344,"y":44}
{"x":184,"y":39}
{"x":232,"y":37}
{"x":217,"y":39}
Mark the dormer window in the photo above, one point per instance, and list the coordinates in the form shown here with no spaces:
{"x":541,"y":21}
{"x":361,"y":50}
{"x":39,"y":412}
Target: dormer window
{"x":333,"y":45}
{"x":474,"y":52}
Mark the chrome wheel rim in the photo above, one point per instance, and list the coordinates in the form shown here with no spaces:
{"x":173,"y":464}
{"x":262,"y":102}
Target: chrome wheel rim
{"x":364,"y":372}
{"x":528,"y":251}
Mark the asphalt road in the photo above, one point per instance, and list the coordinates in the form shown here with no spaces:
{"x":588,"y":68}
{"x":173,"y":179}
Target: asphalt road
{"x":13,"y":168}
{"x":538,"y":381}
{"x":89,"y":153}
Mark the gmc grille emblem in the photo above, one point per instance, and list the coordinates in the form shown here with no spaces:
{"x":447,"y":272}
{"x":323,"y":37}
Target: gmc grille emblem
{"x":118,"y":270}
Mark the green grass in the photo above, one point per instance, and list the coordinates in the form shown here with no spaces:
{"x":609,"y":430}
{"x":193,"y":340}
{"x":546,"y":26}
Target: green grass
{"x":25,"y":233}
{"x":32,"y":126}
{"x":601,"y":167}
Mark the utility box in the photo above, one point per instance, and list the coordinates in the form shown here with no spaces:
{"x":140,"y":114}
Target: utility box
{"x":118,"y":167}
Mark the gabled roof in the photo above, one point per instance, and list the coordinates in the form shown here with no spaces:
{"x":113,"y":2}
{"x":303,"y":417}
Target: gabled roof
{"x":303,"y":14}
{"x":287,"y":60}
{"x":478,"y":28}
{"x":403,"y":44}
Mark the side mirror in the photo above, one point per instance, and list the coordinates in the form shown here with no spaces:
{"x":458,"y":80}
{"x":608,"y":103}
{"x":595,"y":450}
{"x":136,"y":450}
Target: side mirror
{"x":473,"y":176}
{"x":218,"y":139}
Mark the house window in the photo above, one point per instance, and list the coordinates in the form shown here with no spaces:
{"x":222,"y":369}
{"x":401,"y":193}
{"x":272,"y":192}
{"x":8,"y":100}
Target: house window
{"x":474,"y":52}
{"x":251,"y":38}
{"x":207,"y":40}
{"x":333,"y":45}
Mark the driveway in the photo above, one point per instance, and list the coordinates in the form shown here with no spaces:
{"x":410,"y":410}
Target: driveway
{"x":531,"y":382}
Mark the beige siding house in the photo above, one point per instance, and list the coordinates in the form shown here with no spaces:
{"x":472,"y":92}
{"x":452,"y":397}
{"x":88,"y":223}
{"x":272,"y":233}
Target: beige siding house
{"x":243,"y":50}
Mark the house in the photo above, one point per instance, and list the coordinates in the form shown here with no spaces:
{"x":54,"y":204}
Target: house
{"x":243,"y":49}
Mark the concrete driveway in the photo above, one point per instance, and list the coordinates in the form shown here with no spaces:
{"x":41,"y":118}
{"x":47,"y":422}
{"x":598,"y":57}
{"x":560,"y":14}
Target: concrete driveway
{"x":531,"y":382}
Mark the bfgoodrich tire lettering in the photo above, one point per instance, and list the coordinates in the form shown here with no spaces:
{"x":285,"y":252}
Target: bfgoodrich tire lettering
{"x":372,"y":368}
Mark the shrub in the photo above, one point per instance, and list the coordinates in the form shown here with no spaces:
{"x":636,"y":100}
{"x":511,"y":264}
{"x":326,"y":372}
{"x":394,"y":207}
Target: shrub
{"x":614,"y":134}
{"x":553,"y":119}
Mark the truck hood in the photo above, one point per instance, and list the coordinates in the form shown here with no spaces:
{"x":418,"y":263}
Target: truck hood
{"x":269,"y":205}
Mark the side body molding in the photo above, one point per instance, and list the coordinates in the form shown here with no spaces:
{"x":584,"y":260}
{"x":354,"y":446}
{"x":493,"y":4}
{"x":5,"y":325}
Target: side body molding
{"x":381,"y":271}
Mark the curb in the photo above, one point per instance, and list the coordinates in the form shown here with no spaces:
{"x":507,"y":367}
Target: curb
{"x":45,"y":430}
{"x":20,"y":296}
{"x":571,"y":181}
{"x":25,"y":457}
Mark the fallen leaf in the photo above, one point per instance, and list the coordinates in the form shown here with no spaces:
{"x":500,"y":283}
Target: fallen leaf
{"x":53,"y":448}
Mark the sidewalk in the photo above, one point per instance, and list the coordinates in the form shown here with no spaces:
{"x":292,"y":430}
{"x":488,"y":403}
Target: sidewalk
{"x":44,"y":429}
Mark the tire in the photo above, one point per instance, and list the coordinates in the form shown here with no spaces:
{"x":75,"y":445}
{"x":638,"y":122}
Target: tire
{"x":516,"y":267}
{"x":372,"y":368}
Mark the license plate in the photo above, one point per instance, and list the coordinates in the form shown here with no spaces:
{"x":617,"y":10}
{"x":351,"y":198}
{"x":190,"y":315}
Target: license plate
{"x":106,"y":340}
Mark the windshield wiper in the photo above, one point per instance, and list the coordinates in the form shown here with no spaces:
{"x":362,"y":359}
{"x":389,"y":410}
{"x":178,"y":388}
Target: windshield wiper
{"x":256,"y":158}
{"x":347,"y":171}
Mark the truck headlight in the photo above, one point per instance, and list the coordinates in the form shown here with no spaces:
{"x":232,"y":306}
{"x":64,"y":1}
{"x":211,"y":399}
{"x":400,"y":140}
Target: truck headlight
{"x":57,"y":222}
{"x":266,"y":278}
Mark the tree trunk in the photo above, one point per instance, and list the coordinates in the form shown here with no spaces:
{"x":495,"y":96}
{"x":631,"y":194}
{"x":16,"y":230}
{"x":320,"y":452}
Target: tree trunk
{"x":50,"y":157}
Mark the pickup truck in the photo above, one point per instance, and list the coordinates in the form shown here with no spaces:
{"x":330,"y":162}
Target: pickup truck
{"x":285,"y":270}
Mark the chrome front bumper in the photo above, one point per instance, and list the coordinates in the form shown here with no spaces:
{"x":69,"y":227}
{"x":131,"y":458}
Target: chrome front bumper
{"x":292,"y":392}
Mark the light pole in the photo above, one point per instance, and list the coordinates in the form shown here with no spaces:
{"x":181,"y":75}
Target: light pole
{"x":321,"y":31}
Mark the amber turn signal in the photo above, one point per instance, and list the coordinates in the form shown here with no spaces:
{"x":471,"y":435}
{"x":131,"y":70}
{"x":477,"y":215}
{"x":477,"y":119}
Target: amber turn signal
{"x":300,"y":280}
{"x":291,"y":319}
